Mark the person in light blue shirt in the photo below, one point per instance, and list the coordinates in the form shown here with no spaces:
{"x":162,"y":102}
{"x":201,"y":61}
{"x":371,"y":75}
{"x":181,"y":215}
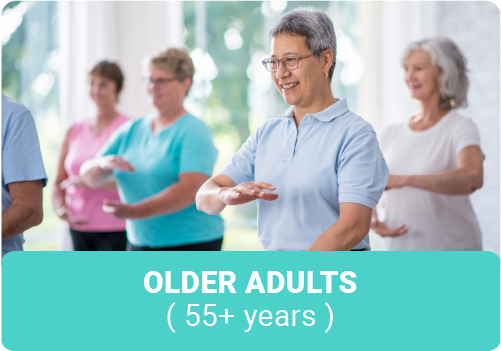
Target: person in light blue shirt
{"x":316,"y":172}
{"x":159,"y":163}
{"x":23,"y":175}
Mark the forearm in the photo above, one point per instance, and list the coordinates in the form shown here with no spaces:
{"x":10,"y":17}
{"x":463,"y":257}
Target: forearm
{"x":111,"y":184}
{"x":58,"y":197}
{"x":208,"y":200}
{"x":19,"y":217}
{"x":173,"y":199}
{"x":93,"y":175}
{"x":454,"y":182}
{"x":340,"y":237}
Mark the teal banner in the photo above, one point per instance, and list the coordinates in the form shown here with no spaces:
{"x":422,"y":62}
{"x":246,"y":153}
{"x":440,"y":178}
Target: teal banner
{"x":250,"y":300}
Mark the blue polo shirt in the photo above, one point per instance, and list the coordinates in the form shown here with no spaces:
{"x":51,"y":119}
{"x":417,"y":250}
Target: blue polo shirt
{"x":184,"y":147}
{"x":21,"y":157}
{"x":333,"y":157}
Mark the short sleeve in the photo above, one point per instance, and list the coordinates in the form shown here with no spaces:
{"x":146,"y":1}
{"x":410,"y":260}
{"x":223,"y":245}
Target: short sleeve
{"x":21,"y":155}
{"x":112,"y":145}
{"x":198,"y":153}
{"x":465,"y":134}
{"x":362,"y":171}
{"x":240,"y":169}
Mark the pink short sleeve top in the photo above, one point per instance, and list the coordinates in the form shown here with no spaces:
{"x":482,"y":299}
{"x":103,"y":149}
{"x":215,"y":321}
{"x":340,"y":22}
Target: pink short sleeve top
{"x":84,"y":203}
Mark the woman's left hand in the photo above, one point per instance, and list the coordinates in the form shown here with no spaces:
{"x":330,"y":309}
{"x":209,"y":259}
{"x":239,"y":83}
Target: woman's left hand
{"x":119,"y":210}
{"x":395,"y":182}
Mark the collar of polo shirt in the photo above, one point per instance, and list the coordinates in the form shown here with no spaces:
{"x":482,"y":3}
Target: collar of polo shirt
{"x":335,"y":110}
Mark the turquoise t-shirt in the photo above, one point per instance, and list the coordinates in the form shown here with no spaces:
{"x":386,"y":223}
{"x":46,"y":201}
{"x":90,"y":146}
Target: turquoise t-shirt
{"x":186,"y":146}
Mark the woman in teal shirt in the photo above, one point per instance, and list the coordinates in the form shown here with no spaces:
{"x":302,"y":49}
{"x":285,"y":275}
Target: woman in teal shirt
{"x":159,"y":163}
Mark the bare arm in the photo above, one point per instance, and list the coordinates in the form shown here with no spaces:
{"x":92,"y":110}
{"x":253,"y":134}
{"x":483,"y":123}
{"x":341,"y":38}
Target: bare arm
{"x":208,"y":196}
{"x":98,"y":172}
{"x":25,"y":210}
{"x":58,"y":194}
{"x":220,"y":191}
{"x":349,"y":230}
{"x":463,"y":180}
{"x":77,"y":181}
{"x":93,"y":174}
{"x":173,"y":199}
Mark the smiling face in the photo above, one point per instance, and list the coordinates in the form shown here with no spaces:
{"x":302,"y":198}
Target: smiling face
{"x":103,"y":91}
{"x":301,"y":86}
{"x":166,"y":94}
{"x":421,"y":75}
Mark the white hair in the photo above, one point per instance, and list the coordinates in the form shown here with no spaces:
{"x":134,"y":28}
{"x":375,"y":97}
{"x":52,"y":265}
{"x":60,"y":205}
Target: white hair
{"x":314,"y":25}
{"x":453,"y":82}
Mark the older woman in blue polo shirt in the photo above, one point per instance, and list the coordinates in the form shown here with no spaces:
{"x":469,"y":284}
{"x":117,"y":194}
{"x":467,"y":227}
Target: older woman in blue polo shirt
{"x":316,"y":172}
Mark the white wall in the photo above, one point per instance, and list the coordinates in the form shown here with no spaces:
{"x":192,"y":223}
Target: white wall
{"x":475,"y":27}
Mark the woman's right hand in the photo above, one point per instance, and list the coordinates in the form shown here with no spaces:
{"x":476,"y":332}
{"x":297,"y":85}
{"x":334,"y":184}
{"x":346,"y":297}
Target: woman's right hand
{"x":72,"y":181}
{"x":246,"y":192}
{"x":62,"y":213}
{"x":382,"y":229}
{"x":112,"y":162}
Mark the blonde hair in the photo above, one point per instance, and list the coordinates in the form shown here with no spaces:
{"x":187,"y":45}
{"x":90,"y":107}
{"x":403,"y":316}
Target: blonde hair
{"x":175,"y":61}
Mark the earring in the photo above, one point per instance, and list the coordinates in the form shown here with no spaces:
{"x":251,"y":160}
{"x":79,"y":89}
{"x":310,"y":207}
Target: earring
{"x":326,"y":75}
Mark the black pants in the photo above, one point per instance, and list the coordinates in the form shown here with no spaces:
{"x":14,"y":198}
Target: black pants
{"x":207,"y":246}
{"x":98,"y":241}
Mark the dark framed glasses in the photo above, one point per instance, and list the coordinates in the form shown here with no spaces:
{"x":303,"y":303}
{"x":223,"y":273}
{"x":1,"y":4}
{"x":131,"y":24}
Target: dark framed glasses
{"x":159,"y":81}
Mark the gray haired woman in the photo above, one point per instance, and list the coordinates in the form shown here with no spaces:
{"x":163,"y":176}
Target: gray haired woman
{"x":316,"y":171}
{"x":434,"y":157}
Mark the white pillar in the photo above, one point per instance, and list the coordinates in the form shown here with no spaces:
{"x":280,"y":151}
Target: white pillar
{"x":175,"y":23}
{"x":369,"y":90}
{"x":388,"y":28}
{"x":135,"y":44}
{"x":73,"y":48}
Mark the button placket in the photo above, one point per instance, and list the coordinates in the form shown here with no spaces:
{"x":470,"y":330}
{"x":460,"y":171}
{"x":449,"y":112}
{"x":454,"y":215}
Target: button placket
{"x":302,"y":131}
{"x":290,"y":141}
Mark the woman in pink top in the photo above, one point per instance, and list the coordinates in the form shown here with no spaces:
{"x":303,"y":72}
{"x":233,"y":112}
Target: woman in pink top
{"x":91,"y":229}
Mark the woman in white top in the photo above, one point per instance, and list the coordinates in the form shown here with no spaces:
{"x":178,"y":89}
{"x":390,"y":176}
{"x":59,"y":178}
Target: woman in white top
{"x":434,"y":157}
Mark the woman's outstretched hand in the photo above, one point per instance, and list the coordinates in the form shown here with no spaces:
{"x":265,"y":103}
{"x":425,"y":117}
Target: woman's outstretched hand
{"x":119,"y":210}
{"x":247,"y":192}
{"x":115,"y":162}
{"x":382,"y":229}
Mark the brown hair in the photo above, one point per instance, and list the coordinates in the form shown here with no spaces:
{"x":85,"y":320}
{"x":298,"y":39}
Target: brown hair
{"x":111,"y":71}
{"x":175,"y":61}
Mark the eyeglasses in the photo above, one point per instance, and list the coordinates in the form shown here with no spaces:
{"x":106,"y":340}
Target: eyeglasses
{"x":289,"y":63}
{"x":159,"y":81}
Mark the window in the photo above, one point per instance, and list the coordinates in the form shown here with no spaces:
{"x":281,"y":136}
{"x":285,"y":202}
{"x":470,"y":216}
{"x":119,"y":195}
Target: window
{"x":30,"y":67}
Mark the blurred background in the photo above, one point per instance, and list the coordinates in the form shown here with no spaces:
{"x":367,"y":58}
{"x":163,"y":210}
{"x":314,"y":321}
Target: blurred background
{"x":49,"y":47}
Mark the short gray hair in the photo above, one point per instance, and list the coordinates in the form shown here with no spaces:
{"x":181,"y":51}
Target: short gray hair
{"x":453,"y":83}
{"x":314,"y":25}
